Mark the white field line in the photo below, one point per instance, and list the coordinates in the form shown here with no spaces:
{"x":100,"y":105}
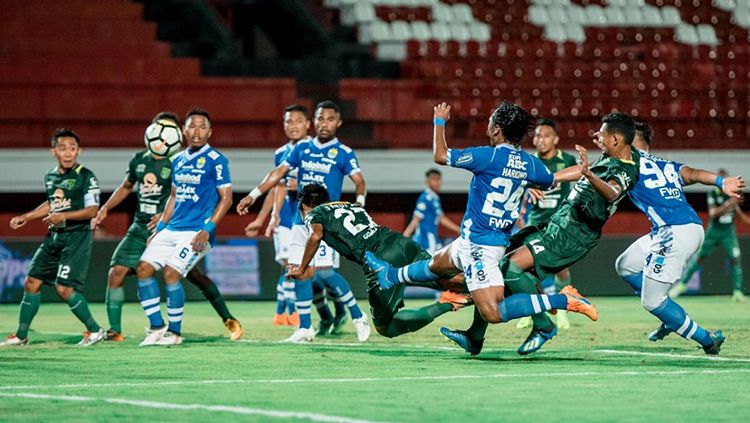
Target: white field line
{"x":176,"y":406}
{"x":670,"y":355}
{"x":377,"y":379}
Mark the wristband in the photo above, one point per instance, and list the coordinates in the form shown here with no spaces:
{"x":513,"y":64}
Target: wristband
{"x":719,"y":181}
{"x":255,"y":193}
{"x":160,"y":225}
{"x":209,"y":227}
{"x":439,"y":122}
{"x":361,"y":199}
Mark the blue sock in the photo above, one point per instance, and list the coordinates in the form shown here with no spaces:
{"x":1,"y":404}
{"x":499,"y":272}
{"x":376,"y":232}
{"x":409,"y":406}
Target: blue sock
{"x":522,"y":305}
{"x":175,"y":307}
{"x":548,"y":285}
{"x":341,"y":289}
{"x":304,"y":294}
{"x":319,"y":298}
{"x":675,"y":318}
{"x":280,"y":298}
{"x":148,"y":295}
{"x":415,"y":272}
{"x":635,"y":281}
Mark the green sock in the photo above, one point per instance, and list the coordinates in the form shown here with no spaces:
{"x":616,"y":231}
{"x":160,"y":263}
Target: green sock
{"x":478,"y":326}
{"x":521,"y":282}
{"x":80,"y":308}
{"x":29,"y":306}
{"x":412,"y":320}
{"x":561,"y":283}
{"x":115,"y":300}
{"x":737,"y":275}
{"x":213,"y":296}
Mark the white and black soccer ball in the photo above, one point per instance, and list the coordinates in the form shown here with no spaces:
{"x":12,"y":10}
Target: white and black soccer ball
{"x":163,"y":138}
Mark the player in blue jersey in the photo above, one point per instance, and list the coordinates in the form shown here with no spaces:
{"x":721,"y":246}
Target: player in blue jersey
{"x":201,"y":196}
{"x":502,"y":171}
{"x":323,"y":160}
{"x":281,"y":204}
{"x":428,"y":214}
{"x":654,"y":263}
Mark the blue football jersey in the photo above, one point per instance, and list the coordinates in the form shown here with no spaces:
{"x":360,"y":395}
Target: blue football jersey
{"x":429,"y":210}
{"x":289,"y":208}
{"x":196,"y":178}
{"x":501,"y":175}
{"x":658,"y":192}
{"x":324,"y":164}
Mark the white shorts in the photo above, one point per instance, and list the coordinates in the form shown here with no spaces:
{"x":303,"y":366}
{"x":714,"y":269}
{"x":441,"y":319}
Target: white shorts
{"x":662,"y":256}
{"x":480,"y":263}
{"x":282,"y":236}
{"x":326,"y":256}
{"x":173,"y":249}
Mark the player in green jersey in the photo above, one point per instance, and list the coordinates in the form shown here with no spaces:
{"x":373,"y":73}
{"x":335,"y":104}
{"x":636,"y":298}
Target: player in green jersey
{"x":63,"y":258}
{"x":545,"y":141}
{"x":573,"y":230}
{"x":348,"y":229}
{"x":721,"y":231}
{"x":153,"y":176}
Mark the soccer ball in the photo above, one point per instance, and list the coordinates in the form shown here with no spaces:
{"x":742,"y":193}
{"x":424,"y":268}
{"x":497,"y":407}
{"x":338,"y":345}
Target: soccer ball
{"x":163,"y":138}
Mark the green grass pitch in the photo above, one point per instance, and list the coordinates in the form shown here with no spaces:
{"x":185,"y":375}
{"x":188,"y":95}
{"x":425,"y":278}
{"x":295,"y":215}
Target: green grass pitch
{"x":594,"y":372}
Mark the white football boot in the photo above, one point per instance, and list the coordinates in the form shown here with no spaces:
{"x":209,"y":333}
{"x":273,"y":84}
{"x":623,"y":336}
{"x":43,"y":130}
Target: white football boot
{"x":152,"y":336}
{"x":301,"y":335}
{"x":362,"y":327}
{"x":91,"y":338}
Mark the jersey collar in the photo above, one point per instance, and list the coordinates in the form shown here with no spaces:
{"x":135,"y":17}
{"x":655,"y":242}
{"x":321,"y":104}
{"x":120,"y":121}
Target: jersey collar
{"x":202,"y":150}
{"x":317,"y":143}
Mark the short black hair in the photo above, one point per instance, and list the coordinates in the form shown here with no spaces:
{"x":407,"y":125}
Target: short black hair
{"x":513,"y":121}
{"x":431,"y":172}
{"x":622,"y":123}
{"x":547,"y":122}
{"x":328,"y":104}
{"x":312,"y":196}
{"x":166,"y":115}
{"x":296,"y":108}
{"x":196,"y":111}
{"x":63,"y":132}
{"x":644,"y":130}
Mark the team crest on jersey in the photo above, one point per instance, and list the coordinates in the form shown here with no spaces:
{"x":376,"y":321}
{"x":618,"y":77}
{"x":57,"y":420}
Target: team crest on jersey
{"x":140,"y":168}
{"x":165,"y":172}
{"x":332,"y":153}
{"x":69,"y":184}
{"x":200,"y":163}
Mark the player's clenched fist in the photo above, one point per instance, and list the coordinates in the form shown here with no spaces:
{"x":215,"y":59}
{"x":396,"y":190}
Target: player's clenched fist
{"x":244,"y":205}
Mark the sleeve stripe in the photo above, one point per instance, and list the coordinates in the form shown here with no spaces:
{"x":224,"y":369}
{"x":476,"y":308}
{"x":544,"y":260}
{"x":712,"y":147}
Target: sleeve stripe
{"x":224,"y":185}
{"x":355,"y":171}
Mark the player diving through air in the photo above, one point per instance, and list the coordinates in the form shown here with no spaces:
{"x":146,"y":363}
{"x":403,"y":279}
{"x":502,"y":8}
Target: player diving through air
{"x":500,"y":173}
{"x":348,"y":229}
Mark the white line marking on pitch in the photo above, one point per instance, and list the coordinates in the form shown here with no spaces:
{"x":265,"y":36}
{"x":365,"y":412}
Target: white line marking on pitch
{"x":374,"y":379}
{"x":670,"y":355}
{"x":176,"y":406}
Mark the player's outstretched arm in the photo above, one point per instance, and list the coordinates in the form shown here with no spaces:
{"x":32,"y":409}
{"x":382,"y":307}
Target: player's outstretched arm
{"x":39,"y":212}
{"x":731,"y":185}
{"x":279,"y":195}
{"x":442,"y":113}
{"x":82,"y":214}
{"x":311,"y":248}
{"x":272,"y":178}
{"x":117,"y":197}
{"x":253,"y":227}
{"x":412,"y":226}
{"x":610,"y":190}
{"x":360,"y":189}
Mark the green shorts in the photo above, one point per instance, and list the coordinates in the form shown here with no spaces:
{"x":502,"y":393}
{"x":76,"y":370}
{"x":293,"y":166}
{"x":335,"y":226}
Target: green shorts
{"x":724,"y":235}
{"x":399,"y":251}
{"x":553,"y":248}
{"x":63,"y":258}
{"x":129,"y":250}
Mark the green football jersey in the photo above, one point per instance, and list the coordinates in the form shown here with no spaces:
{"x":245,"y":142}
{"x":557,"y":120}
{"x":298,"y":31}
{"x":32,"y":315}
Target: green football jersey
{"x":716,"y":198}
{"x":543,"y":210}
{"x":72,"y":190}
{"x":584,"y":212}
{"x":347,"y":228}
{"x":153,"y":179}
